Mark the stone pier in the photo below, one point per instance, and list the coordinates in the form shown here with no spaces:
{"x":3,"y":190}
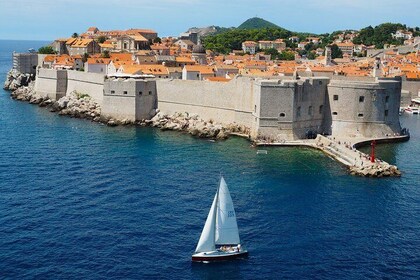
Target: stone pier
{"x":346,"y":153}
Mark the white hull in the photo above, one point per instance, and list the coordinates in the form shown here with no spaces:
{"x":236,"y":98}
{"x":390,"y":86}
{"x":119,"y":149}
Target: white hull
{"x":214,"y":256}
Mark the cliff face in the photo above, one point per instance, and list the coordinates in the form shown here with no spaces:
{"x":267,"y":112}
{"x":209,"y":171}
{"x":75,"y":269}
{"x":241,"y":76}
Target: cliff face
{"x":15,"y":80}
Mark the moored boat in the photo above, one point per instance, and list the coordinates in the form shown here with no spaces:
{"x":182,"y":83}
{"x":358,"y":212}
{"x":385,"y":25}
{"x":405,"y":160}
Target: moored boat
{"x":219,"y":240}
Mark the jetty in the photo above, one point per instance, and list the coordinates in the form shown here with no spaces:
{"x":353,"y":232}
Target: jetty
{"x":345,"y":152}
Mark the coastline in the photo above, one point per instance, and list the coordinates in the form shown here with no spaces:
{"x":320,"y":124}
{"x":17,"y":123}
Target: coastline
{"x":79,"y":105}
{"x":357,"y":162}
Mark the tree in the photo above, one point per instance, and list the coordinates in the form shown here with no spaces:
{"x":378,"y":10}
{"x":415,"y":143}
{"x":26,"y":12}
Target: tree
{"x":75,"y":35}
{"x":273,"y":52}
{"x":157,"y":40}
{"x":101,"y":39}
{"x":85,"y":57}
{"x":311,"y":55}
{"x":46,"y":50}
{"x":232,"y":38}
{"x":286,"y":55}
{"x":105,"y":54}
{"x":336,"y":52}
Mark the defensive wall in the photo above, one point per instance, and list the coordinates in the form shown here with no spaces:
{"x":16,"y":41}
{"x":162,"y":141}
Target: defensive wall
{"x":89,"y":83}
{"x":279,"y":109}
{"x":364,"y":109}
{"x":290,"y":109}
{"x":129,"y":99}
{"x":223,"y":102}
{"x":57,"y":83}
{"x":51,"y":83}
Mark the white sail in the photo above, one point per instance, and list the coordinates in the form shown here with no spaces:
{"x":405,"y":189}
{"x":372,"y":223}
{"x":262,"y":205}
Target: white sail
{"x":207,"y":241}
{"x":226,"y":227}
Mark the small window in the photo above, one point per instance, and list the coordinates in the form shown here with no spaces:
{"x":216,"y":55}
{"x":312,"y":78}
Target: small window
{"x":125,"y":92}
{"x":386,"y":99}
{"x":112,"y":91}
{"x":321,"y":108}
{"x":360,"y":115}
{"x":386,"y":112}
{"x":140,"y":92}
{"x":361,"y":99}
{"x":335,"y":113}
{"x":298,"y":112}
{"x":335,"y":97}
{"x":150,"y":92}
{"x":282,"y":115}
{"x":255,"y":108}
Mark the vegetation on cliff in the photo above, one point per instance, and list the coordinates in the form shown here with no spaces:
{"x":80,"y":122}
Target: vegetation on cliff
{"x":379,"y":35}
{"x":256,"y":29}
{"x":46,"y":50}
{"x":232,"y":39}
{"x":257,"y":23}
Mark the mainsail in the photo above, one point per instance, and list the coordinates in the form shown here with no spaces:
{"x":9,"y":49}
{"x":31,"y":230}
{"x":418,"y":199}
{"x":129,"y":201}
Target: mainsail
{"x":220,"y":227}
{"x":207,"y":238}
{"x":226,"y":227}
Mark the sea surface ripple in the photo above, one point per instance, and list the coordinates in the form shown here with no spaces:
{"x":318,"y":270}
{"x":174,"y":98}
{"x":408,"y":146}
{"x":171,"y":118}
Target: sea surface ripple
{"x":85,"y":201}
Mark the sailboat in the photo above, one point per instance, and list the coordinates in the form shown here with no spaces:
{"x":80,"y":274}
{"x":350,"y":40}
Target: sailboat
{"x":219,"y":239}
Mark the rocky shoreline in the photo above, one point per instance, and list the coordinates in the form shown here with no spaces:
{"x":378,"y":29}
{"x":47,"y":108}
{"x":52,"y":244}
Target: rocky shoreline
{"x":16,"y":80}
{"x":378,"y":171}
{"x":192,"y":124}
{"x":78,"y":105}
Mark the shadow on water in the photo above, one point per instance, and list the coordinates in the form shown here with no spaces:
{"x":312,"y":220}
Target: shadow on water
{"x":219,"y":270}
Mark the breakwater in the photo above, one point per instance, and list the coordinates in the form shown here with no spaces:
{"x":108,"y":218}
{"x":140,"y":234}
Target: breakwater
{"x":357,"y":162}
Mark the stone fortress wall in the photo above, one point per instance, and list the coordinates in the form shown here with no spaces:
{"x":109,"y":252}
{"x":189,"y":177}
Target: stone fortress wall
{"x":51,"y":83}
{"x":290,"y":109}
{"x":223,"y":102}
{"x":129,"y":99}
{"x":368,"y":109}
{"x":279,"y":109}
{"x":90,"y":83}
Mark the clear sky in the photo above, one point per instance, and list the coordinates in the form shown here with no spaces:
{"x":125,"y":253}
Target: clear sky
{"x":49,"y":19}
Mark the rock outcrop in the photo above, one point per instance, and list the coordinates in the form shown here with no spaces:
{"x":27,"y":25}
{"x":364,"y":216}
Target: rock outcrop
{"x":75,"y":104}
{"x":79,"y":105}
{"x":377,"y":170}
{"x":192,"y":124}
{"x":16,"y":80}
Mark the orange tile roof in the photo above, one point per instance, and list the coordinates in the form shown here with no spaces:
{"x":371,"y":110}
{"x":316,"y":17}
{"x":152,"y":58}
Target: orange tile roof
{"x":78,"y":43}
{"x":49,"y":58}
{"x":98,"y":60}
{"x":121,"y":56}
{"x":183,"y":59}
{"x":152,"y":69}
{"x":218,"y":79}
{"x":139,"y":38}
{"x":200,"y":68}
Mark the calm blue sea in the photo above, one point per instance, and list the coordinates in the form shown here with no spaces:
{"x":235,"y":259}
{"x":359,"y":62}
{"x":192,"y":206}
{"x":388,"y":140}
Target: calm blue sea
{"x":84,"y":201}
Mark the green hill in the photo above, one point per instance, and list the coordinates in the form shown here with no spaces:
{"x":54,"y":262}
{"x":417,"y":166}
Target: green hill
{"x":257,"y":23}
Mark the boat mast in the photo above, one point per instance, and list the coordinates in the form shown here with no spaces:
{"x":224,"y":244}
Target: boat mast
{"x":215,"y":209}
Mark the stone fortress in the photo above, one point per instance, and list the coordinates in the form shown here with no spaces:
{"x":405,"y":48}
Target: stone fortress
{"x":281,"y":109}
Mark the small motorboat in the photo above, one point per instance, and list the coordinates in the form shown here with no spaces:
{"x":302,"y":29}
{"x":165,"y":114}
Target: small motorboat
{"x":219,"y":240}
{"x":412,"y":110}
